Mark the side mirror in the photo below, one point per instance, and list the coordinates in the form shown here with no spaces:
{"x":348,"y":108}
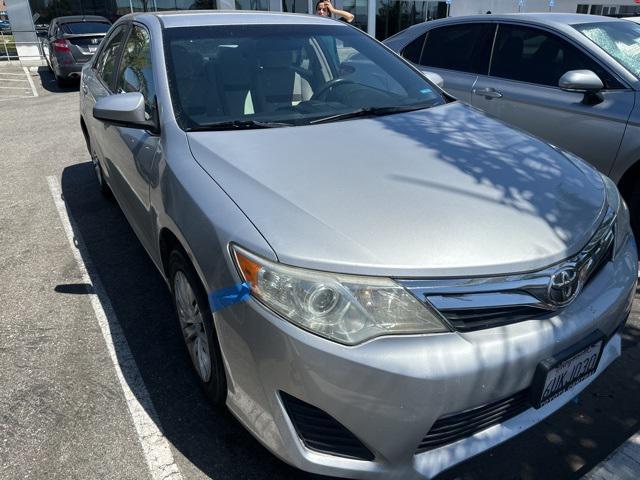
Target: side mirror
{"x":125,"y":109}
{"x":581,"y":81}
{"x":434,"y":77}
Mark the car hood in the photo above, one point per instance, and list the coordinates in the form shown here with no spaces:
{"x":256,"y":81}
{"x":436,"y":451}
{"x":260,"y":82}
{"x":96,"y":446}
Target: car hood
{"x":445,"y":191}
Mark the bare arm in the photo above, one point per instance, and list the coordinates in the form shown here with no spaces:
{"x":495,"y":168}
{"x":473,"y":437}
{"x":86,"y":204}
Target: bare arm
{"x":340,"y":13}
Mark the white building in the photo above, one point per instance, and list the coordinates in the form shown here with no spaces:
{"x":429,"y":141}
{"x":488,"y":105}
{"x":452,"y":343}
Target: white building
{"x":381,"y":18}
{"x":601,"y":7}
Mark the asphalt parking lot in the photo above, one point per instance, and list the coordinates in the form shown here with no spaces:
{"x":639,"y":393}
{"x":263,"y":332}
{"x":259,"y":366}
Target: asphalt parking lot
{"x":63,"y":413}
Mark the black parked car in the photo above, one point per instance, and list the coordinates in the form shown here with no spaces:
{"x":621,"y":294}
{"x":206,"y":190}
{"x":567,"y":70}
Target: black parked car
{"x":5,"y":26}
{"x":71,"y":42}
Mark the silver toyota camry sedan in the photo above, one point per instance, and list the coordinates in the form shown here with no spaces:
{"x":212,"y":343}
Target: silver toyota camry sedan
{"x":377,"y":280}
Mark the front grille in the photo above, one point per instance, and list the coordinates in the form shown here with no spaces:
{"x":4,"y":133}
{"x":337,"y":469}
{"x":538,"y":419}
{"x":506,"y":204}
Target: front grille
{"x":454,"y":427}
{"x":475,"y":303}
{"x":321,"y":432}
{"x":474,"y":319}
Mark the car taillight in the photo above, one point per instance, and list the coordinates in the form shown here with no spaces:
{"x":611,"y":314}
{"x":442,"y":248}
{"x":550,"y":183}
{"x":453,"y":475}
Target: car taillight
{"x":61,"y":45}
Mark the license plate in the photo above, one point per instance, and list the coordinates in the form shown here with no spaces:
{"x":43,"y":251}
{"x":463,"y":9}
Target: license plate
{"x":565,"y":370}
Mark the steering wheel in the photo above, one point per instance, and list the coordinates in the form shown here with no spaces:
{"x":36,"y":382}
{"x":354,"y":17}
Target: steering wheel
{"x":330,"y":85}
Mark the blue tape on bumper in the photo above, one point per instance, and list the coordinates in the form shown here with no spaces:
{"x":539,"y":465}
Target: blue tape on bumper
{"x":228,"y":296}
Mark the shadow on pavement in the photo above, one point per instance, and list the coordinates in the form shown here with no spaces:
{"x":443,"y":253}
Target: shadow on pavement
{"x":564,"y":446}
{"x":214,"y":441}
{"x":48,"y":82}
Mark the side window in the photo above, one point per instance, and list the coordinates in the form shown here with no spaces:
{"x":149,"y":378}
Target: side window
{"x":106,"y":63}
{"x":536,"y":56}
{"x":136,"y":72}
{"x":465,"y":47}
{"x":412,"y":51}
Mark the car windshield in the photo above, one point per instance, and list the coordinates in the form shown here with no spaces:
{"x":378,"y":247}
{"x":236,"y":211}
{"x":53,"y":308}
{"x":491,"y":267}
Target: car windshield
{"x":621,"y":40}
{"x":81,"y":28}
{"x":254,"y":76}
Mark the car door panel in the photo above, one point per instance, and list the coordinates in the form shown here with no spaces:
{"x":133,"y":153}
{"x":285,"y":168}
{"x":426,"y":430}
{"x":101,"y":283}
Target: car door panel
{"x":565,"y":119}
{"x":458,"y":53}
{"x":591,"y":127}
{"x":99,"y":83}
{"x":457,"y":84}
{"x":132,"y":150}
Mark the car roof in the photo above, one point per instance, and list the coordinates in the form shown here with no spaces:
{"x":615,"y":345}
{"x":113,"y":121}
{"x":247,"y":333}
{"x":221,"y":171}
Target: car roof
{"x":541,"y":18}
{"x":193,"y":18}
{"x":81,"y":18}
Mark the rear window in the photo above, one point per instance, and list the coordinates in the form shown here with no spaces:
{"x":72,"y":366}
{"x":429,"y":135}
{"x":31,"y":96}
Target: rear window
{"x":81,"y":28}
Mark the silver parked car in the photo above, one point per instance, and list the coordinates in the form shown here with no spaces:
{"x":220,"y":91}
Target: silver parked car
{"x":571,"y":79}
{"x":377,"y":280}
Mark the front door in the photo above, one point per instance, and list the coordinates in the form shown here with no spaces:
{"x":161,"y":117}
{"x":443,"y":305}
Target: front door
{"x":133,"y":150}
{"x":522,"y":89}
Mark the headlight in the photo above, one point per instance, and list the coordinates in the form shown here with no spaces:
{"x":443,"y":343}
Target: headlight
{"x":622,"y":226}
{"x":346,"y":308}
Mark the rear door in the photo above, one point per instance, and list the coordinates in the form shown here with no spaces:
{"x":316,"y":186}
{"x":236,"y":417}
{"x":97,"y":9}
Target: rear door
{"x":457,"y":52}
{"x":97,"y":84}
{"x":522,"y":89}
{"x":84,"y":38}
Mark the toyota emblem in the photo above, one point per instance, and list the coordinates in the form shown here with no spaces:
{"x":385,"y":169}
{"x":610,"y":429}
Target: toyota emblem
{"x":563,"y":286}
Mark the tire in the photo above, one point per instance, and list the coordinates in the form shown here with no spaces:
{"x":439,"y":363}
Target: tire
{"x":195,"y":320}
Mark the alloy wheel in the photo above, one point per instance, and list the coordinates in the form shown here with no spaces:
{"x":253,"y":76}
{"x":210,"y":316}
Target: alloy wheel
{"x":192,"y":325}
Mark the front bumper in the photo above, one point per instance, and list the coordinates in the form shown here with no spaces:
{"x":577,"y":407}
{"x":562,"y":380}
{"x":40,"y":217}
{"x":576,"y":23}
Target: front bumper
{"x":389,"y":391}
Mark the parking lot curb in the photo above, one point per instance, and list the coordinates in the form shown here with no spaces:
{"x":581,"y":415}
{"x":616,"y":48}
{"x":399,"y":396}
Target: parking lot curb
{"x":622,"y":464}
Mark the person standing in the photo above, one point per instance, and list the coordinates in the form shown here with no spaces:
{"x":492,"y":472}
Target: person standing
{"x":324,"y":8}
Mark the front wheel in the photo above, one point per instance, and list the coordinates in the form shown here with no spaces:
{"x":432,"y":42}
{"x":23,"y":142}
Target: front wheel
{"x":197,"y":326}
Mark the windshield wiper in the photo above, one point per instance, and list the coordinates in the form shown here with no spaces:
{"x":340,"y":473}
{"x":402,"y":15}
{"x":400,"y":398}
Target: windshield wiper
{"x":369,"y":111}
{"x":236,"y":125}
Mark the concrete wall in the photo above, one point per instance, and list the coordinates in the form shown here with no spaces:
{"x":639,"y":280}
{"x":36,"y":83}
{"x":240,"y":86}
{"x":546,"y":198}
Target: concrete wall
{"x":472,"y":7}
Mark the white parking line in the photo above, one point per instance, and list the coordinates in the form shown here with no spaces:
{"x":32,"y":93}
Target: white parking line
{"x":33,"y":87}
{"x":622,"y":464}
{"x":155,"y":446}
{"x":11,"y":97}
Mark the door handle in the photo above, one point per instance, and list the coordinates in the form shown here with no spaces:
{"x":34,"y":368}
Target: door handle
{"x":487,"y":92}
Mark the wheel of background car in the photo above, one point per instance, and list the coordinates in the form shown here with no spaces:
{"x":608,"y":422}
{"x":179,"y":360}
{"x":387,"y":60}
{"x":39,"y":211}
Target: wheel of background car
{"x":198,"y":330}
{"x":330,"y":85}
